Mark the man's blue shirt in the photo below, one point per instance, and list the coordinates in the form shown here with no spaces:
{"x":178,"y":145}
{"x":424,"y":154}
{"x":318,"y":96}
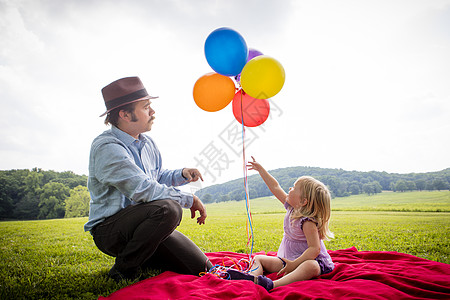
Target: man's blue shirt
{"x":124,"y":171}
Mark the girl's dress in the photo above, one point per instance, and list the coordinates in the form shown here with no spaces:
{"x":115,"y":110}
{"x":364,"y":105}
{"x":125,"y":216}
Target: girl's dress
{"x":294,"y":241}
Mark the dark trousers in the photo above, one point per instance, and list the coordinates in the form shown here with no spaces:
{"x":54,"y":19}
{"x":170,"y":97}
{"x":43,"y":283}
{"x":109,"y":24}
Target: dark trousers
{"x":144,"y":235}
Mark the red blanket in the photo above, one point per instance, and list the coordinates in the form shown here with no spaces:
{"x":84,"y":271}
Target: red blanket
{"x":357,"y":275}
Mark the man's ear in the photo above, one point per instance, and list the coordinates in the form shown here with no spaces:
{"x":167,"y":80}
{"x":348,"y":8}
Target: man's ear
{"x":124,"y":115}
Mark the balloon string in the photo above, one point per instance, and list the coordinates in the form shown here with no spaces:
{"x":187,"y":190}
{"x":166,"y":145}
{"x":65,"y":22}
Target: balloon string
{"x":242,"y":265}
{"x":249,"y":226}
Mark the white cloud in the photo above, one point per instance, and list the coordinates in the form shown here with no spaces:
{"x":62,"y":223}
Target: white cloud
{"x":366,"y":82}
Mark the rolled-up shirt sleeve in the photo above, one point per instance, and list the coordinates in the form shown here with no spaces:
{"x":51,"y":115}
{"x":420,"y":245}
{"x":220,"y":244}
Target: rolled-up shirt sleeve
{"x":115,"y":167}
{"x":172,"y":177}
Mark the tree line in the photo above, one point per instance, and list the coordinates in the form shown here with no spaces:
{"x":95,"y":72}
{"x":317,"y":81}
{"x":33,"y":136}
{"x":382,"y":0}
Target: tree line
{"x":37,"y":194}
{"x":341,"y":183}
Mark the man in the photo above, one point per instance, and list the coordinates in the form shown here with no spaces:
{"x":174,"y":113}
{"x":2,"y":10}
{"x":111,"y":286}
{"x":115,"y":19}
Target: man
{"x":134,"y":207}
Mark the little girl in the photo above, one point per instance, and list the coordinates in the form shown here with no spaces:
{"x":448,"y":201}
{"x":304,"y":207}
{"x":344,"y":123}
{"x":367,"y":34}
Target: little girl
{"x":302,"y":254}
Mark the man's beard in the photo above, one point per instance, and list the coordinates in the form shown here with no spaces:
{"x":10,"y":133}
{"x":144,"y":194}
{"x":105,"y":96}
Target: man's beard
{"x":135,"y":119}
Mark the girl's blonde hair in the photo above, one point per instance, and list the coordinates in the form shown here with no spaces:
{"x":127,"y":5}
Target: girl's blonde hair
{"x":318,"y":206}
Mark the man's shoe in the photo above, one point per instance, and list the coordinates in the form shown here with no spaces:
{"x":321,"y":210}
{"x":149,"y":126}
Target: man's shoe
{"x":118,"y":276}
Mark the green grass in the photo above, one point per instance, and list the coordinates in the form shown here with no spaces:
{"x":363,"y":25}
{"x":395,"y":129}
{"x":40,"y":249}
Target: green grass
{"x":55,"y":259}
{"x":435,"y":201}
{"x":424,"y":234}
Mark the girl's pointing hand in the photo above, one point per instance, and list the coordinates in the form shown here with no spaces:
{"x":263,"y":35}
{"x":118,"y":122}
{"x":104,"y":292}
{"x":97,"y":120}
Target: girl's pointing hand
{"x":254,"y":165}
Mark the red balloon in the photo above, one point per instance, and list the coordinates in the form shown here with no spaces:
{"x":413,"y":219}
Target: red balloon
{"x":253,"y":111}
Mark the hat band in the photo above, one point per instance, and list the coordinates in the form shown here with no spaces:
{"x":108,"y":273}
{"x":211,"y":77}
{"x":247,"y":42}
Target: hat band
{"x":126,"y":99}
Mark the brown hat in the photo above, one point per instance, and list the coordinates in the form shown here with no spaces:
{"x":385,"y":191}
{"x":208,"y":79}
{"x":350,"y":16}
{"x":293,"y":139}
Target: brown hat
{"x":124,"y":91}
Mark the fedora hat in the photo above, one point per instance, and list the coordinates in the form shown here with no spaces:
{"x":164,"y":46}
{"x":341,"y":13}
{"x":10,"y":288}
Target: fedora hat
{"x":123,"y":91}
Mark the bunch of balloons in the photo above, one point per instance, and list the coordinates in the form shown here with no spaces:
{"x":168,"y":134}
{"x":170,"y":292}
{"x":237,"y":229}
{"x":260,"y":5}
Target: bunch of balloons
{"x":257,"y":76}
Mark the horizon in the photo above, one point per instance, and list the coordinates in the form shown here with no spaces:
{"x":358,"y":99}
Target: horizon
{"x":62,"y":171}
{"x":196,"y":186}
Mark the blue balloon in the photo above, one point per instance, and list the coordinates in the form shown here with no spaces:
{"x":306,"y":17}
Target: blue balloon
{"x":226,"y":51}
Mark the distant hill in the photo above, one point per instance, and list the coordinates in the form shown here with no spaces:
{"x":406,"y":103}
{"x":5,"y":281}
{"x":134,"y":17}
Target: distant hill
{"x":341,"y":183}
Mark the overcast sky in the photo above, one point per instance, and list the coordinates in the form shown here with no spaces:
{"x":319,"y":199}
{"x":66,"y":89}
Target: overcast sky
{"x":367,"y":82}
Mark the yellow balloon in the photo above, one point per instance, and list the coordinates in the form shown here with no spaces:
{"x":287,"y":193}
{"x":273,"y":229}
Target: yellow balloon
{"x":262,"y":77}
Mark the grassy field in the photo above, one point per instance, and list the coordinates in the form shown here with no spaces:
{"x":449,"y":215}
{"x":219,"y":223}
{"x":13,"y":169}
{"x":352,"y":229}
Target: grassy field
{"x":436,"y":201}
{"x":56,"y":259}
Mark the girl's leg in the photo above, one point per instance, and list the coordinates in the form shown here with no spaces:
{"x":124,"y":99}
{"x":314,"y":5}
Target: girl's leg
{"x":307,"y":270}
{"x":264,"y":263}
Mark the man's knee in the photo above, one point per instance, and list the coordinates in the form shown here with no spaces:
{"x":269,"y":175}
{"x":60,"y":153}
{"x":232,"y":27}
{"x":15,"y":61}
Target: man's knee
{"x":172,"y":210}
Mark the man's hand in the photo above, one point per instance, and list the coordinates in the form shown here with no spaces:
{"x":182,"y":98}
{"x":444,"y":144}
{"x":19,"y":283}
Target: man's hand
{"x":197,"y":205}
{"x":192,"y":174}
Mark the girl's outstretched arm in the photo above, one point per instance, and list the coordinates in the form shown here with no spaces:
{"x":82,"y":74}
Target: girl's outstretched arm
{"x":270,"y":181}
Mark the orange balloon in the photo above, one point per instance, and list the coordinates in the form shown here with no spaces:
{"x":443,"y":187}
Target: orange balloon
{"x":213,"y":92}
